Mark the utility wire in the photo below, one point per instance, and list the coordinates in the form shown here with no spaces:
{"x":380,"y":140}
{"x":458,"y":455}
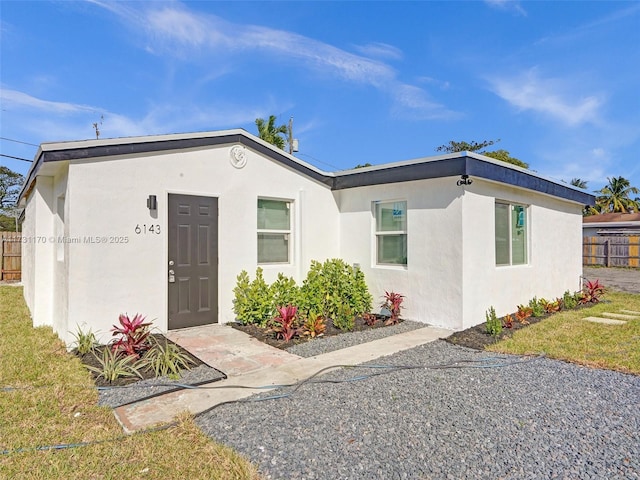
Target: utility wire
{"x":18,"y":141}
{"x":16,"y":158}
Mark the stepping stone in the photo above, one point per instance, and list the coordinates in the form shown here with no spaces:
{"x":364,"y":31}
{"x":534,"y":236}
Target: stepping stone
{"x":606,"y":321}
{"x":630,"y":312}
{"x":619,"y":316}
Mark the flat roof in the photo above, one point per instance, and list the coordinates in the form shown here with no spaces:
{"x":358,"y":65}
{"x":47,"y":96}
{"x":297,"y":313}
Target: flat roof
{"x":454,"y":164}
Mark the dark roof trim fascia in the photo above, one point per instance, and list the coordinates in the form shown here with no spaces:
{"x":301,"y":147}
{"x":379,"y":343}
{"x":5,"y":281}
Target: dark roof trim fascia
{"x":450,"y":166}
{"x":179,"y":144}
{"x":510,"y":176}
{"x":463,"y":165}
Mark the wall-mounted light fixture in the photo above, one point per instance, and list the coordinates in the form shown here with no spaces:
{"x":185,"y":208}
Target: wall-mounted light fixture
{"x":152,"y":203}
{"x":464,"y":180}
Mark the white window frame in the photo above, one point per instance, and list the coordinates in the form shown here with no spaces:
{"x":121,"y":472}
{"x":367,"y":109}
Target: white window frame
{"x":378,"y":234}
{"x":286,"y":232}
{"x":525,"y":229}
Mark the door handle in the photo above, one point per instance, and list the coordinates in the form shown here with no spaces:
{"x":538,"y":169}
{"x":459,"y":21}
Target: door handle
{"x":172,"y":276}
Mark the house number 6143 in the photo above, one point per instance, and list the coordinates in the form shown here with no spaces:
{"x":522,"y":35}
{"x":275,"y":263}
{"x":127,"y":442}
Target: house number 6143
{"x":144,"y":228}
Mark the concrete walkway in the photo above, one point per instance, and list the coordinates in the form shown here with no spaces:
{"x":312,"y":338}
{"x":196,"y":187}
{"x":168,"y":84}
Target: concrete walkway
{"x":229,"y":350}
{"x":163,"y":409}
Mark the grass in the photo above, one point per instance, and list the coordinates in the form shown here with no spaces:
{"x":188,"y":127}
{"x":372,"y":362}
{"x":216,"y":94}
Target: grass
{"x":59,"y":406}
{"x":566,"y":336}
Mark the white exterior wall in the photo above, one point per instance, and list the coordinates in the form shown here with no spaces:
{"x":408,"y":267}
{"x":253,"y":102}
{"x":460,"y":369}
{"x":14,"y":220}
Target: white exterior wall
{"x":554,"y":251}
{"x":28,"y":251}
{"x":98,"y":267}
{"x":451,"y":278}
{"x":432,"y":280}
{"x":38,"y":252}
{"x":107,"y":199}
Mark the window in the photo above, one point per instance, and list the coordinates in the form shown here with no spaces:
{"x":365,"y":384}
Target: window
{"x":274,"y":230}
{"x":511,"y":234}
{"x":391,"y":233}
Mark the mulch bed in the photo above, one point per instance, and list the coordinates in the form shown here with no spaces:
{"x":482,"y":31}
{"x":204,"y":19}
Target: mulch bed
{"x":267,"y":336}
{"x":474,"y":337}
{"x":90,"y":359}
{"x":478,"y":338}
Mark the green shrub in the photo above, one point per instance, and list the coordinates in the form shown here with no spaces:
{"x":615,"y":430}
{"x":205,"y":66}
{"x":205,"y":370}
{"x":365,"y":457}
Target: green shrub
{"x":284,"y":291}
{"x":569,"y":300}
{"x":330,"y":285}
{"x":85,"y":342}
{"x":537,"y":308}
{"x":494,"y":324}
{"x":166,"y":359}
{"x":344,"y":319}
{"x":253,"y":302}
{"x":114,"y":365}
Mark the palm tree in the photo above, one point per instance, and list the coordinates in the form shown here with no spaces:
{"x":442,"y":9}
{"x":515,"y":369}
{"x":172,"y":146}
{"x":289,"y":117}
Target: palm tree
{"x":578,"y":182}
{"x":614,"y":197}
{"x":268,"y":131}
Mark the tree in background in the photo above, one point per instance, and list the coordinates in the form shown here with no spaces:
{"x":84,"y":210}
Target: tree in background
{"x":615,"y":196}
{"x":578,"y":182}
{"x":10,"y":184}
{"x":268,"y":131}
{"x":502,"y":155}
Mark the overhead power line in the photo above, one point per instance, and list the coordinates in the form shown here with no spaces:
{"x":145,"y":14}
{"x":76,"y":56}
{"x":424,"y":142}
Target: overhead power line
{"x":18,"y":141}
{"x":16,"y":158}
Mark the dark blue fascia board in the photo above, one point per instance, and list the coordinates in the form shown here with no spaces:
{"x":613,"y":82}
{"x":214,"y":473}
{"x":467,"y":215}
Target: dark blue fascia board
{"x":446,"y":167}
{"x":458,"y":166}
{"x":402,"y":173}
{"x":179,"y":144}
{"x":490,"y":171}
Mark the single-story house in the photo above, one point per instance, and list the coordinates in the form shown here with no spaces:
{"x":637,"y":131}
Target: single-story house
{"x":162,"y":225}
{"x":611,"y":224}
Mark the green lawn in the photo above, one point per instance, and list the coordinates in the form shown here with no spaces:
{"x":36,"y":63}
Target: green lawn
{"x":566,"y":336}
{"x":59,"y":406}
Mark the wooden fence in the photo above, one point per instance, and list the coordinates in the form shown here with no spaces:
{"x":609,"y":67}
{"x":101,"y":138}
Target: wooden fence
{"x":611,"y":251}
{"x":10,"y":256}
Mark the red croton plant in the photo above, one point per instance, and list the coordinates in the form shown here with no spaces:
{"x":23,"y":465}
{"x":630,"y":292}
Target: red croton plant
{"x":284,"y":325}
{"x":134,"y":335}
{"x":393,"y":303}
{"x":592,"y":291}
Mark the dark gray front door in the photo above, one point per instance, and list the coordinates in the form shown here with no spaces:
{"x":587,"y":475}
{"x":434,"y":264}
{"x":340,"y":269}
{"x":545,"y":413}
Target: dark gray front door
{"x":193,"y":261}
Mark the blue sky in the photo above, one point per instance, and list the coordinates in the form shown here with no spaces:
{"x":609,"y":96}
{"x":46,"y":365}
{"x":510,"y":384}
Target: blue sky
{"x":376,"y":82}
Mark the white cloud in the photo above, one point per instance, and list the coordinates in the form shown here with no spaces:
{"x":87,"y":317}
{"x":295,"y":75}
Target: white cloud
{"x":380,"y":50}
{"x":551,"y":97}
{"x":58,"y":121}
{"x":176,"y":30}
{"x":416,"y":102}
{"x":14,"y":98}
{"x":508,"y":5}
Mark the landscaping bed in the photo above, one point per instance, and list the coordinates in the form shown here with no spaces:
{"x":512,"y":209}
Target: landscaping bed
{"x":477,"y":337}
{"x":268,"y":336}
{"x":124,"y":390}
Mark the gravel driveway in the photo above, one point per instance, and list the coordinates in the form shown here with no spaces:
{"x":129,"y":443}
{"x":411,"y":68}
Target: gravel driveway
{"x":537,"y":419}
{"x":623,"y":279}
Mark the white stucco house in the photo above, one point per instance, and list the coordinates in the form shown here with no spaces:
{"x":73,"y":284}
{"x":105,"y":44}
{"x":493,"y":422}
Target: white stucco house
{"x":162,"y":225}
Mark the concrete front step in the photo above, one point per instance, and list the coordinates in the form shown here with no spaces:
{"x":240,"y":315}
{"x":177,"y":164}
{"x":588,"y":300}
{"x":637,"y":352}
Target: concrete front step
{"x":606,"y":321}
